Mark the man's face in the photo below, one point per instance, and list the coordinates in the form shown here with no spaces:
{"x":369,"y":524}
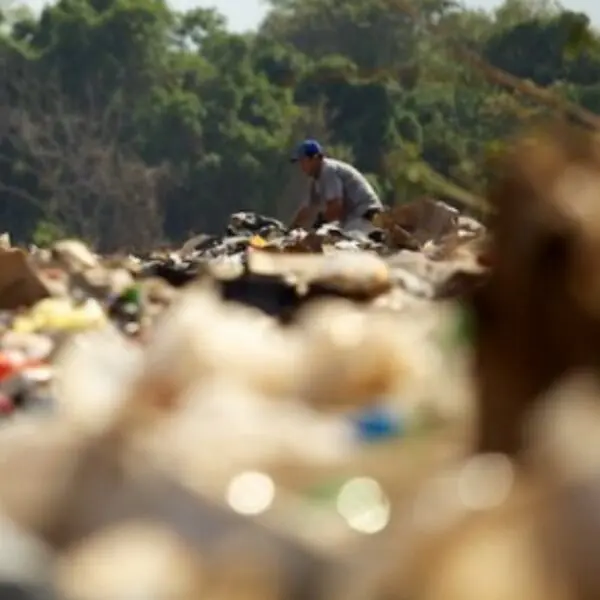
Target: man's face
{"x":308,"y":164}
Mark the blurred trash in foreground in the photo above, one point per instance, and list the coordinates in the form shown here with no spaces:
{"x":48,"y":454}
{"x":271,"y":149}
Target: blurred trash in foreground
{"x":272,"y":414}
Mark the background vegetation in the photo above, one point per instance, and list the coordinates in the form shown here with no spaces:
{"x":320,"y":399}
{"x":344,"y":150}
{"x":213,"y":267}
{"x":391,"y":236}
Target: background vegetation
{"x":129,"y":124}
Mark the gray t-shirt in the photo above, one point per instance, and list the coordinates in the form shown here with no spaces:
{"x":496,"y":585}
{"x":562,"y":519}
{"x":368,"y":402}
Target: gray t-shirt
{"x":341,"y":180}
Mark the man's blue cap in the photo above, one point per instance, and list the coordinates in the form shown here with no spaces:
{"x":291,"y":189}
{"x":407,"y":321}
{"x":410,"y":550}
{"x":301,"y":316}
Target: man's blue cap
{"x":307,"y":149}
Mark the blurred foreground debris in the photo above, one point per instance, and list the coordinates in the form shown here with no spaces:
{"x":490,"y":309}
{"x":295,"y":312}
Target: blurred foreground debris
{"x":274,"y":414}
{"x":538,"y":312}
{"x":166,"y":436}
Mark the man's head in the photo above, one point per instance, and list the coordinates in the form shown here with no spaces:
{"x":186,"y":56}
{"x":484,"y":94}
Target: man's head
{"x":309,"y":155}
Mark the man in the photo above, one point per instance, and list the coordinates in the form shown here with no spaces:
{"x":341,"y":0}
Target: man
{"x":338,"y":192}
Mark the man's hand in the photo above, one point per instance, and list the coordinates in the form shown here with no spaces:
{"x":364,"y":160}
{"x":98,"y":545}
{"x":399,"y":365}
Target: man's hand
{"x":305,"y":217}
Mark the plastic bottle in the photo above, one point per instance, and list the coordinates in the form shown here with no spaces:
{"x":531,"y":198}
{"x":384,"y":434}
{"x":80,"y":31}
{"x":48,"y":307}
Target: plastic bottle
{"x":256,"y":241}
{"x":378,"y":424}
{"x":60,"y":314}
{"x":7,"y":366}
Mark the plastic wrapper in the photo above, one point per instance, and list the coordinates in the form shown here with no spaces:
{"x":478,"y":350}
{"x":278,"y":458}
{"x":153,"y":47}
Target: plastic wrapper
{"x":60,"y":314}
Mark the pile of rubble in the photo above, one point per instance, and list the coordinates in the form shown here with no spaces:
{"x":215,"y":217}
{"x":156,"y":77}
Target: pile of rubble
{"x":279,"y":414}
{"x":261,"y":381}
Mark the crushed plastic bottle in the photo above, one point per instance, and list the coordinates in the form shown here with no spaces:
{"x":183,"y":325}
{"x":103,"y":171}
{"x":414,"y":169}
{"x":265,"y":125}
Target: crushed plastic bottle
{"x":378,"y":424}
{"x":127,"y":310}
{"x":256,"y":241}
{"x":13,"y":363}
{"x":8,"y":366}
{"x":61,"y":314}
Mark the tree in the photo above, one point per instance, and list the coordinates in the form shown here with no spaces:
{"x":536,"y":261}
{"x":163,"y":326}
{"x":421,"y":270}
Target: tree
{"x":415,"y":92}
{"x":76,"y":173}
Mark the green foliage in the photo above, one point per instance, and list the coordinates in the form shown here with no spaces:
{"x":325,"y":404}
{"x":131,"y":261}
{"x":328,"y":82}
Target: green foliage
{"x":46,"y":233}
{"x":99,"y":82}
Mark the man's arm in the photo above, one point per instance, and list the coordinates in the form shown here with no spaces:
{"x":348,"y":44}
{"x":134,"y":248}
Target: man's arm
{"x":308,"y":212}
{"x":305,"y":217}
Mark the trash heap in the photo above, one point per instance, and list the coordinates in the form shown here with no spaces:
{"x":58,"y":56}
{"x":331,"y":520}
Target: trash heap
{"x":275,"y":414}
{"x":215,"y":408}
{"x":48,"y":295}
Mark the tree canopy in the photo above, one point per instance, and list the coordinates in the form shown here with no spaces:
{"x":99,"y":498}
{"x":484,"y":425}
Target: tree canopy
{"x":130,"y":124}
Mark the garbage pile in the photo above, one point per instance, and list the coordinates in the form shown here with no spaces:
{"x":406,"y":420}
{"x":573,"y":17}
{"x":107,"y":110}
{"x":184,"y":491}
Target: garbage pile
{"x":426,"y":249}
{"x":294,"y":415}
{"x":47,"y":295}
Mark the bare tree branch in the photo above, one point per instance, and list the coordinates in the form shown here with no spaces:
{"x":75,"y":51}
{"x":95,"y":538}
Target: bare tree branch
{"x":93,"y":187}
{"x":20,"y":194}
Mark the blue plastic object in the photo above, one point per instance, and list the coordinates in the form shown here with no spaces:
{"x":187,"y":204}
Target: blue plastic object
{"x":378,"y":424}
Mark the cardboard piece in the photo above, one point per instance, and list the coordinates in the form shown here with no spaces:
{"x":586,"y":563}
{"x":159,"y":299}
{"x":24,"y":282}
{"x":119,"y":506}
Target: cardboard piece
{"x":19,"y":284}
